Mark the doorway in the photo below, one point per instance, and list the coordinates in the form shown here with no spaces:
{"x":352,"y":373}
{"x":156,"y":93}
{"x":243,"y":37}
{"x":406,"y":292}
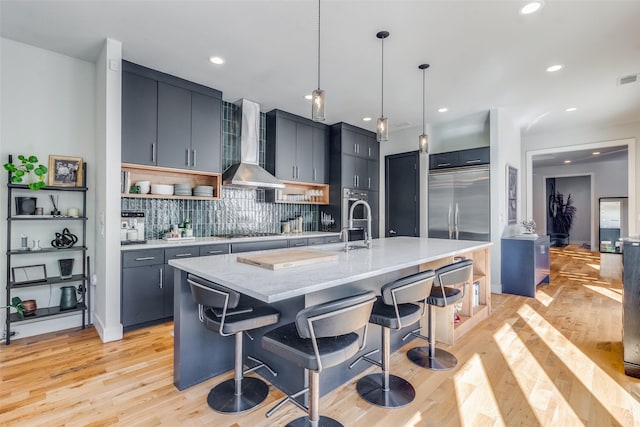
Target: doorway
{"x":402,"y":184}
{"x":572,"y":192}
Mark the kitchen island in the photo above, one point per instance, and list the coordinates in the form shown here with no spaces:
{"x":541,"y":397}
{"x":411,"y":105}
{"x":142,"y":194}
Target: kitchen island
{"x":200,"y":354}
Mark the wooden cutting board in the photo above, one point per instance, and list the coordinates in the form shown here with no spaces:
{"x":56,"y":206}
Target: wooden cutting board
{"x":279,"y":260}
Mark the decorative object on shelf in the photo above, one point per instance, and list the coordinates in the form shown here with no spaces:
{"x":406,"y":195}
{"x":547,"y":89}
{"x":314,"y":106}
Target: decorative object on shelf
{"x":317,"y":97}
{"x":18,"y":305}
{"x":24,"y":243}
{"x":30,"y":307}
{"x":54,"y":202}
{"x":423,"y":140}
{"x":26,"y":205}
{"x":66,"y":268}
{"x":382,"y":128}
{"x":68,"y":298}
{"x":36,"y":246}
{"x":27,"y":166}
{"x":529,"y":226}
{"x":29,"y":274}
{"x":65,"y":171}
{"x":64,"y":240}
{"x":512,"y":194}
{"x":73,"y":212}
{"x":39,"y":211}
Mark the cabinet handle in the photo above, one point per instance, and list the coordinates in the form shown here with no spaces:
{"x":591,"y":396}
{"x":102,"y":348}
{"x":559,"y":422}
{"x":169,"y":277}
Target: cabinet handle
{"x":183,"y":255}
{"x":369,"y":152}
{"x":293,"y":173}
{"x":354,"y":181}
{"x":314,"y":174}
{"x":298,"y":244}
{"x":355,"y":148}
{"x":161,"y":279}
{"x":145,"y":258}
{"x":369,"y":182}
{"x":153,"y":152}
{"x":186,"y":157}
{"x":443,"y":164}
{"x":214,"y":252}
{"x":473,"y":161}
{"x":193,"y":159}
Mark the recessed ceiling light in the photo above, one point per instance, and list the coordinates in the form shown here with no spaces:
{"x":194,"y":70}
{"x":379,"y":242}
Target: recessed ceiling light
{"x":366,"y":119}
{"x":442,"y":110}
{"x":554,"y":68}
{"x":308,"y":97}
{"x":570,"y":109}
{"x":567,"y":161}
{"x":595,"y":153}
{"x":531,"y":7}
{"x":216,"y":60}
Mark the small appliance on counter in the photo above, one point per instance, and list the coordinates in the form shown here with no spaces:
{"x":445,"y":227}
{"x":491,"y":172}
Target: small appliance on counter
{"x":132,"y":227}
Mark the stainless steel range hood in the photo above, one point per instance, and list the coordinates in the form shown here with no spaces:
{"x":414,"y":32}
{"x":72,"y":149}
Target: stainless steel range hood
{"x":248,"y":172}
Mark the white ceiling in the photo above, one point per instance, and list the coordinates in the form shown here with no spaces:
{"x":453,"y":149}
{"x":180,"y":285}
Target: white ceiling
{"x":483,"y":54}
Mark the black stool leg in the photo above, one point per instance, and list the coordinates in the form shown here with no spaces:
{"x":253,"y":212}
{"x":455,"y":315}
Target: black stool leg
{"x":239,"y":394}
{"x":314,"y":419}
{"x":384,"y":389}
{"x":431,"y":357}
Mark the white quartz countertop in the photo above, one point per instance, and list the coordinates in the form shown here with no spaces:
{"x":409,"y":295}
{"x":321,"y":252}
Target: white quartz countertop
{"x":153,"y":244}
{"x":385,"y":256}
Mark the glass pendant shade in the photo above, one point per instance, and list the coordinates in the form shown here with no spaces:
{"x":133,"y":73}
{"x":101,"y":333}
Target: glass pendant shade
{"x":317,"y":105}
{"x":382,"y":129}
{"x":423,"y":142}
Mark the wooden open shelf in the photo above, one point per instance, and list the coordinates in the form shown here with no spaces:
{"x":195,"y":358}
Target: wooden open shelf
{"x":162,"y":175}
{"x":448,"y":331}
{"x":304,"y":193}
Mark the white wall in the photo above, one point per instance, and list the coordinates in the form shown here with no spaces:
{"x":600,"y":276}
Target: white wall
{"x":107,"y":147}
{"x":47,"y":107}
{"x":588,"y":137}
{"x":505,"y":150}
{"x":609,"y":179}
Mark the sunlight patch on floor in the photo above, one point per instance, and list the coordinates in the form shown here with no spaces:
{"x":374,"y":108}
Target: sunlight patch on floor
{"x":472,"y":387}
{"x":606,"y":292}
{"x":533,"y":379}
{"x":594,"y":266}
{"x":608,"y":392}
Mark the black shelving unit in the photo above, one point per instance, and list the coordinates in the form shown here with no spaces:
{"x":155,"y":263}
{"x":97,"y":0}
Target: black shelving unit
{"x":43,"y":313}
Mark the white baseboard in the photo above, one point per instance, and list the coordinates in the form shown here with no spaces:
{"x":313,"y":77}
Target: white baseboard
{"x":107,"y":334}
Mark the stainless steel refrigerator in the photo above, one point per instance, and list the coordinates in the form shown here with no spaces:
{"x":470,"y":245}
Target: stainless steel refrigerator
{"x":459,"y":204}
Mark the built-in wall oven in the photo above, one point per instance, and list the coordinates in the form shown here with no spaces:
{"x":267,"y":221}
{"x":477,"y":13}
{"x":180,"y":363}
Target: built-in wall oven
{"x":349,"y":197}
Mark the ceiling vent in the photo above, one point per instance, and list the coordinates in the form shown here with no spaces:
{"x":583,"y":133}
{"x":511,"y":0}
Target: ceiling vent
{"x":632,"y":78}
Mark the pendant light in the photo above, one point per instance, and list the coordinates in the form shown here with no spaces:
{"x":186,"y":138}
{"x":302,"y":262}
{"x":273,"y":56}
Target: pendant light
{"x":317,"y":97}
{"x":423,"y":140}
{"x":382,"y":129}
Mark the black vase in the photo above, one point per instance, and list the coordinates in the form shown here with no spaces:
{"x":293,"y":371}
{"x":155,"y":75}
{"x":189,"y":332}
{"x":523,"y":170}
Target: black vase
{"x":68,"y":298}
{"x":66,"y":268}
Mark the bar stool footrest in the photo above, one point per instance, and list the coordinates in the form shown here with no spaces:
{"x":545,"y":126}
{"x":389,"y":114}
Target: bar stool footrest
{"x":399,"y":394}
{"x":222,"y":398}
{"x":442,"y":360}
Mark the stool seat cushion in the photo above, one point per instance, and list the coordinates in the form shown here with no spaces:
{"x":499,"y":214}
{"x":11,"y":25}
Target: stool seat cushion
{"x":385,"y":314}
{"x":286,"y":343}
{"x":439,"y":299}
{"x":242,"y":319}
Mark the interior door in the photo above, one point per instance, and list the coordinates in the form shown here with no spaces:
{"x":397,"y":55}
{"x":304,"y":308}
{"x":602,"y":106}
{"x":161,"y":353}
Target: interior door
{"x":402,"y":212}
{"x":441,"y":205}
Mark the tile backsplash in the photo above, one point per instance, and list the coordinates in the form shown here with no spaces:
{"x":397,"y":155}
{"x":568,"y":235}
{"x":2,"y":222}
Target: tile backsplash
{"x":239,"y":210}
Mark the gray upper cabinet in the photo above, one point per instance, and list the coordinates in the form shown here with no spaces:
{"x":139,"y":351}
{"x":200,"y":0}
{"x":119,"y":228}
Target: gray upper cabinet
{"x":297,"y":148}
{"x":354,"y":158}
{"x":139,"y":119}
{"x":174,"y":126}
{"x":454,"y":159}
{"x":168,"y":121}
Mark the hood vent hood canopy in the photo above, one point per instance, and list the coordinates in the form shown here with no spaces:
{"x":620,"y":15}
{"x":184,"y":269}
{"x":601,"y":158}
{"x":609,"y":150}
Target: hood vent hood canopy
{"x":248,"y":172}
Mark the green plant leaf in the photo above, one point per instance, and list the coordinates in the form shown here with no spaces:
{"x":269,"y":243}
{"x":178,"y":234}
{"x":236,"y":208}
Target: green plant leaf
{"x":9,"y":167}
{"x":33,"y":159}
{"x":21,"y":158}
{"x":19,"y":173}
{"x":15,"y":301}
{"x":16,"y":179}
{"x":29,"y":166}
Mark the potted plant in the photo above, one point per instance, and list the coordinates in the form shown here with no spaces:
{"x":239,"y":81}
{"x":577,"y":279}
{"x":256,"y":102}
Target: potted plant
{"x":562,"y":215}
{"x":16,"y":303}
{"x":27,"y":166}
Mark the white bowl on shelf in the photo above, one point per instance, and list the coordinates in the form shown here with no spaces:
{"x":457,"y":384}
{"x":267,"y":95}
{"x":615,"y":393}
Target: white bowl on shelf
{"x":162,"y":189}
{"x":145,"y":186}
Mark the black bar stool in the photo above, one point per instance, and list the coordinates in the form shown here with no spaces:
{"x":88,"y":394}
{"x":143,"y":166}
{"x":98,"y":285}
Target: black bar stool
{"x":442,"y":294}
{"x":219,"y":310}
{"x":322,"y":336}
{"x":395,"y":309}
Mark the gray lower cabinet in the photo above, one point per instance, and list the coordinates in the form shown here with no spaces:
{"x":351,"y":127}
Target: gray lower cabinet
{"x":142,"y":298}
{"x":524,"y":264}
{"x":298,"y":243}
{"x":258,"y":246}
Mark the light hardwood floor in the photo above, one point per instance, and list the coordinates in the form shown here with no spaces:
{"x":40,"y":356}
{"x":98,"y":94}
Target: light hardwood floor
{"x":555,"y":360}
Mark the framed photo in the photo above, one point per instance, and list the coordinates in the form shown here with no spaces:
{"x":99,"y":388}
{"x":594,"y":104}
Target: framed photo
{"x":29,"y":274}
{"x":512,"y":194}
{"x":65,"y":171}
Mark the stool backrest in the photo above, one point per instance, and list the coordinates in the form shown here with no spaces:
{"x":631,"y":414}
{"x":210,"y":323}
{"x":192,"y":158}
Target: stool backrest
{"x":453,"y":274}
{"x":210,"y":294}
{"x":413,"y":288}
{"x":338,"y":317}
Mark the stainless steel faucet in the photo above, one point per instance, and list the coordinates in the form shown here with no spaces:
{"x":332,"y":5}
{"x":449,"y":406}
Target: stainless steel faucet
{"x":367,"y":235}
